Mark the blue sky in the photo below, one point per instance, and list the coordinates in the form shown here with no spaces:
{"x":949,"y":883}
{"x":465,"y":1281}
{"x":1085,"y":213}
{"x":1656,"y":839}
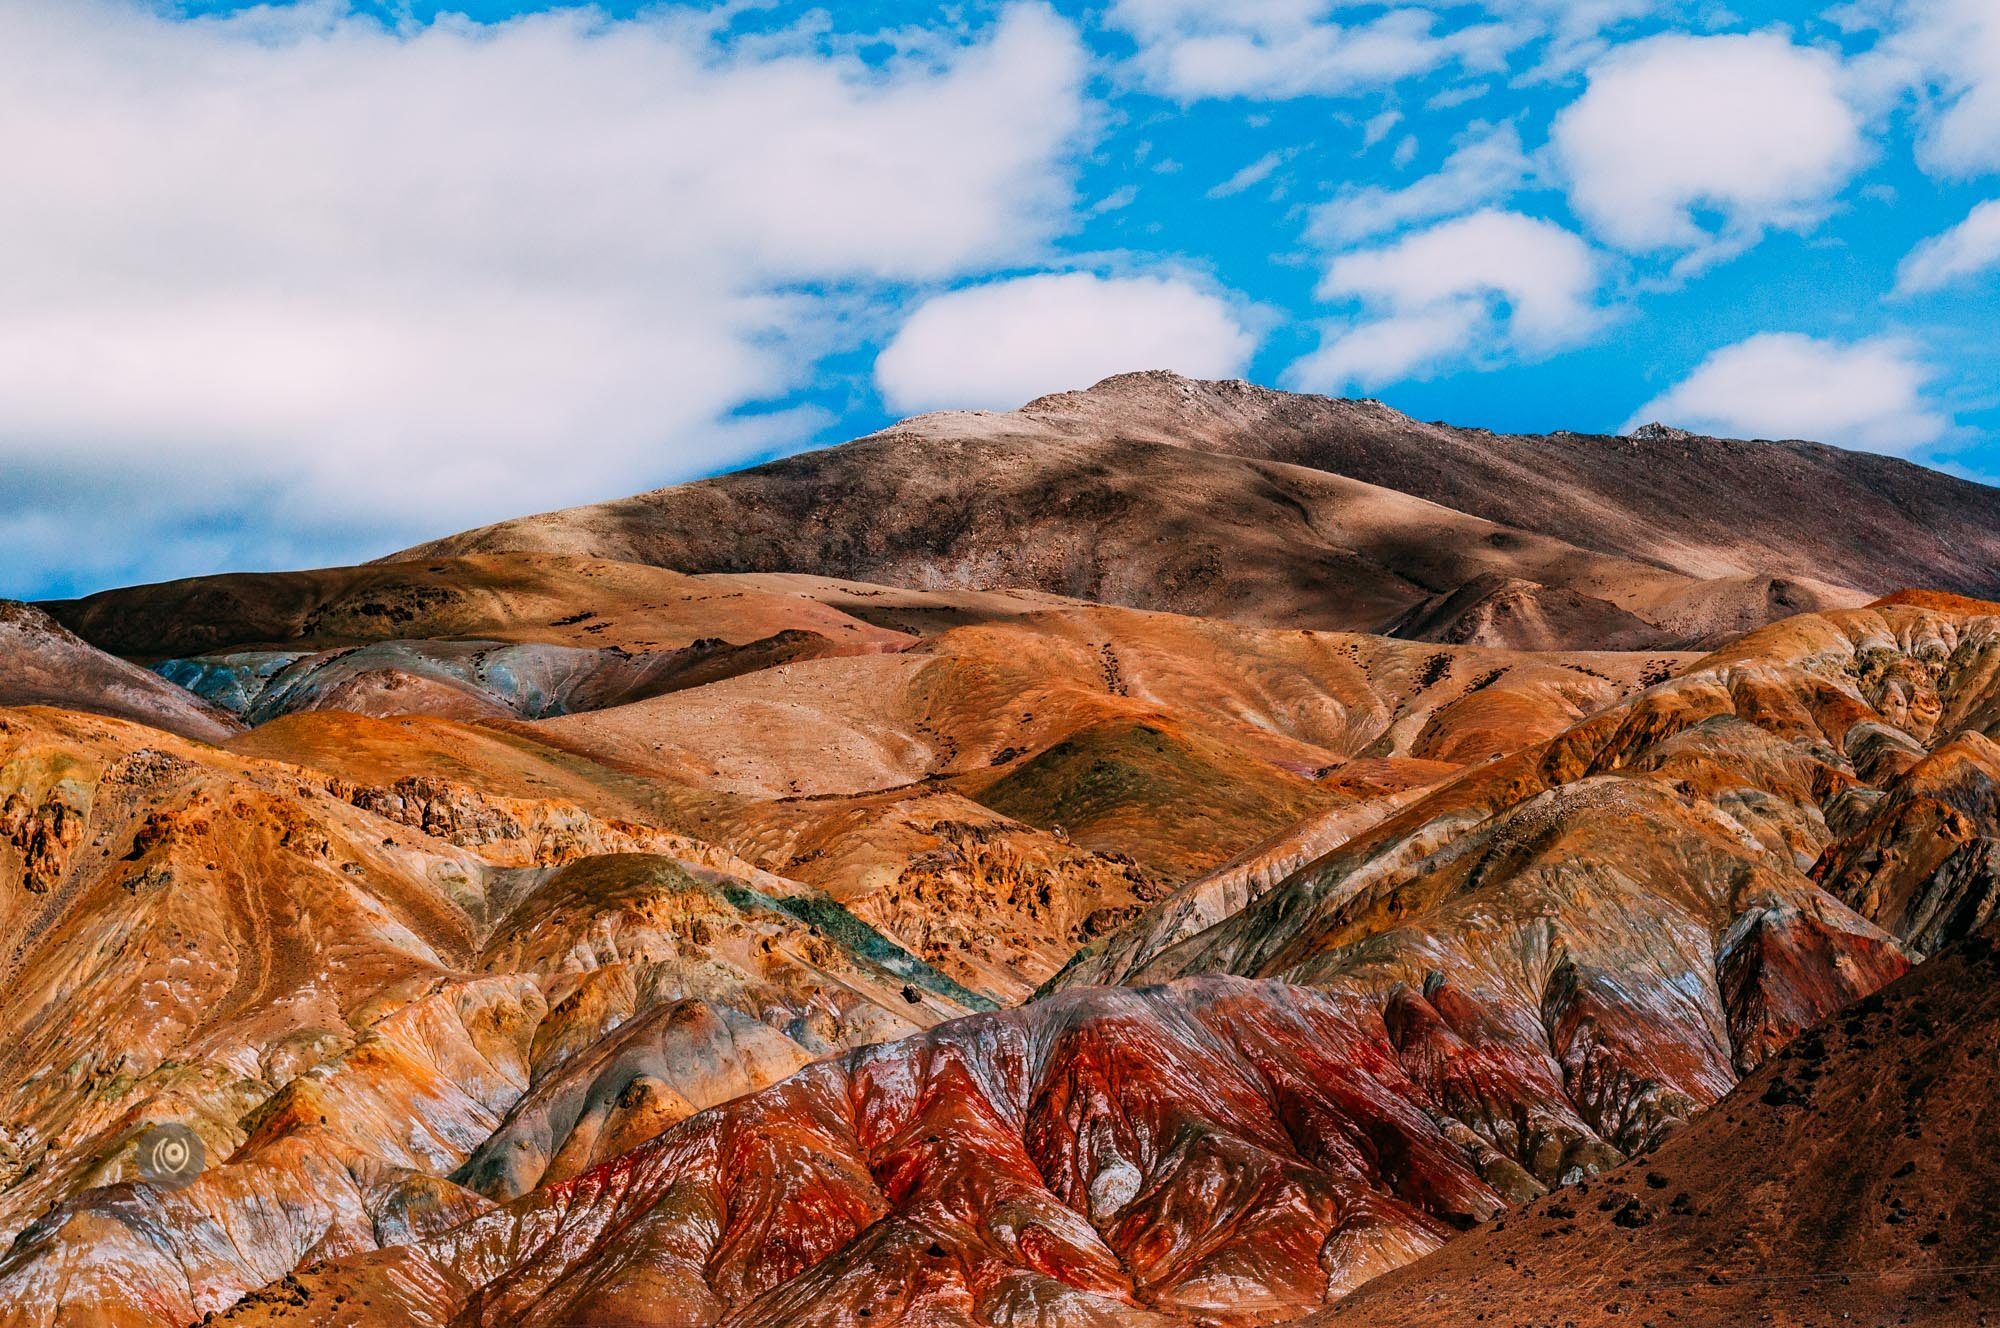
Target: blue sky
{"x":297,"y":284}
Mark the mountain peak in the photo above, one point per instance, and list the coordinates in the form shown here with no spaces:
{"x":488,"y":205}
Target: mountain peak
{"x":1151,"y":390}
{"x":1223,"y":497}
{"x":1658,"y":432}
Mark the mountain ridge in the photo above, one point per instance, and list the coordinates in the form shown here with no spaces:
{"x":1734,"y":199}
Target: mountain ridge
{"x":1690,"y":534}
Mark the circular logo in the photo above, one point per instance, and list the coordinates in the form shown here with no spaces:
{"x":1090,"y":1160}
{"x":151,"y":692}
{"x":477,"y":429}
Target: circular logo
{"x":170,"y":1155}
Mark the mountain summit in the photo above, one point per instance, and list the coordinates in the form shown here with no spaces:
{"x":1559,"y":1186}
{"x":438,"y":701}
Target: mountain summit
{"x":1235,"y":501}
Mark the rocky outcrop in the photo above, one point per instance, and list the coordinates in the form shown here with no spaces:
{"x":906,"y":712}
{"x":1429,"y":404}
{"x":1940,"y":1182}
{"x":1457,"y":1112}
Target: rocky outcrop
{"x":42,"y":838}
{"x":1220,"y":1150}
{"x":1923,"y":860}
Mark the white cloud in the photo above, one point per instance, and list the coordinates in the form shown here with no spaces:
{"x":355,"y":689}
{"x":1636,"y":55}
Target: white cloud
{"x":1867,"y":394}
{"x":1458,"y":95}
{"x":1124,"y":196}
{"x":317,"y":285}
{"x":1949,"y":50}
{"x":1474,"y":288}
{"x":1000,"y":345}
{"x":1378,"y":126}
{"x":1576,"y":29}
{"x":1967,"y":249}
{"x":1751,"y":128}
{"x":1488,"y":166}
{"x":1390,"y":348}
{"x":1965,"y":136}
{"x":1250,"y":176}
{"x":1277,"y":49}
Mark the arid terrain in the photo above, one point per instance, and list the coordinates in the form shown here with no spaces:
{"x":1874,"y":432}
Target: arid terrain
{"x":1233,"y":501}
{"x":1178,"y":854}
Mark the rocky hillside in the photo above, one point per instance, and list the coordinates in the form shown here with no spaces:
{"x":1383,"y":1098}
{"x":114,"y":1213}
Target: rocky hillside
{"x":530,"y":936}
{"x":42,"y":663}
{"x":1230,"y":500}
{"x":559,"y":987}
{"x":1851,"y":1180}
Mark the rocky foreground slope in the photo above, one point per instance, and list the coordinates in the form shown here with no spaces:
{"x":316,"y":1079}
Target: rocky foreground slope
{"x":1856,"y":1159}
{"x":1047,"y":1165}
{"x":1851,"y":1180}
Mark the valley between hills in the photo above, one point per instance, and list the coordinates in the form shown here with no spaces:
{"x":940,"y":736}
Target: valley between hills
{"x":1177,"y":855}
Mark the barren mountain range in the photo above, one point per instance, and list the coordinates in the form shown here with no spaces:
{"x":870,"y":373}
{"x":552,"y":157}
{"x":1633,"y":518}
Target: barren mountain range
{"x":1234,"y":501}
{"x":1177,"y":854}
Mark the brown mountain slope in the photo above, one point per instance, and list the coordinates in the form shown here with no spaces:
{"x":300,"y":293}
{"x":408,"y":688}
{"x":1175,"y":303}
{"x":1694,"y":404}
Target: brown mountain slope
{"x":1493,"y":610}
{"x":584,"y":603}
{"x":1228,"y":500}
{"x":1704,"y":505}
{"x":1142,"y":524}
{"x":1852,"y":1180}
{"x":41,"y":663}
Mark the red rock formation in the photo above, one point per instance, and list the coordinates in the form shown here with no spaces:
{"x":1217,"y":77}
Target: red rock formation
{"x":1218,"y":1150}
{"x":1850,"y":1180}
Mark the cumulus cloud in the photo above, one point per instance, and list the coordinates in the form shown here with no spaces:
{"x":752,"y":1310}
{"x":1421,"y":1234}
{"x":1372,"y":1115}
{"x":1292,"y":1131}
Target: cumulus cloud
{"x":305,"y":284}
{"x":1488,"y":166}
{"x":1966,"y":250}
{"x":1750,"y":128}
{"x":1950,"y":50}
{"x":1867,"y":395}
{"x":1276,"y":49}
{"x":1001,"y":344}
{"x":1477,"y":287}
